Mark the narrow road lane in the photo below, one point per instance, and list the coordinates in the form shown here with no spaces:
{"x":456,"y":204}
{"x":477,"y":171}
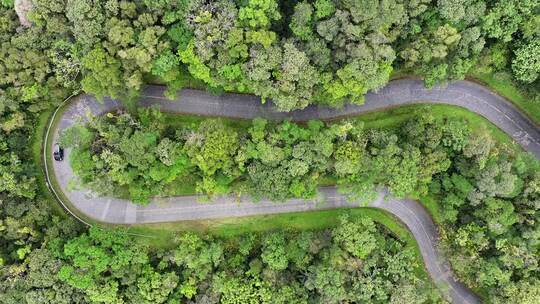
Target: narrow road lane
{"x":400,"y":92}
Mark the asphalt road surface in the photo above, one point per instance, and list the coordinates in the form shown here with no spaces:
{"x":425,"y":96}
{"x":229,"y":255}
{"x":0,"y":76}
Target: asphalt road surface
{"x":465,"y":94}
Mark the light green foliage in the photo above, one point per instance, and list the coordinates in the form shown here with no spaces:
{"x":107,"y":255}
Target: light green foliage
{"x":286,"y":160}
{"x":348,"y":156}
{"x":357,"y":238}
{"x":234,"y":290}
{"x":479,"y":146}
{"x":259,"y":13}
{"x":13,"y":181}
{"x":65,"y":62}
{"x":102,"y":262}
{"x":195,"y":66}
{"x":87,"y":17}
{"x":154,"y":286}
{"x":296,"y":79}
{"x":499,"y":215}
{"x":7,"y":3}
{"x":103,"y":77}
{"x":443,"y":53}
{"x":293,"y":53}
{"x":485,"y":196}
{"x":466,"y":11}
{"x":91,"y":258}
{"x":126,"y":155}
{"x":364,"y":160}
{"x":167,"y":68}
{"x":121,"y":33}
{"x":212,"y":148}
{"x":526,"y":65}
{"x":274,"y":252}
{"x":504,"y":19}
{"x":324,"y":8}
{"x":197,"y":256}
{"x":356,"y":78}
{"x":301,"y":22}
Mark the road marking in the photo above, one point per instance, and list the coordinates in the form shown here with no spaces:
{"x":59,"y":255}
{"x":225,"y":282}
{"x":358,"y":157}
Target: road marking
{"x":106,"y":209}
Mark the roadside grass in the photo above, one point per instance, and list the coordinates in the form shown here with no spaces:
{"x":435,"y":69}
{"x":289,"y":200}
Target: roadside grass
{"x":432,"y":206}
{"x":185,"y":80}
{"x":230,"y":227}
{"x":161,"y":235}
{"x":503,"y":85}
{"x":174,"y":120}
{"x":500,"y":82}
{"x":36,"y":153}
{"x":164,"y":233}
{"x":390,"y":119}
{"x":393,"y":118}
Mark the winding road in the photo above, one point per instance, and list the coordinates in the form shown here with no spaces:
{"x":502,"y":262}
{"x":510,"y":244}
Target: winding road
{"x":465,"y":94}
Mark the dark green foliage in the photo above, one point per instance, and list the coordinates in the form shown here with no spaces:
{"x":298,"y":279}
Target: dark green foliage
{"x":330,"y":266}
{"x":27,"y":269}
{"x":295,"y":53}
{"x":30,"y":84}
{"x":117,"y":42}
{"x":276,"y":161}
{"x":108,"y":268}
{"x":134,"y":155}
{"x":490,"y":218}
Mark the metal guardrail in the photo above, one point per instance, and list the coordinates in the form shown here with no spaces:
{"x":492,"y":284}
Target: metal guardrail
{"x":45,"y":160}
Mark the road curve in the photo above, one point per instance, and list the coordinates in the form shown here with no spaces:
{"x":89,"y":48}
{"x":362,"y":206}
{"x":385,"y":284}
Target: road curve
{"x":399,"y":92}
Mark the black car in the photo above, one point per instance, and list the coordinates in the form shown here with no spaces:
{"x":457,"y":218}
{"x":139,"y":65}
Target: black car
{"x":58,"y":152}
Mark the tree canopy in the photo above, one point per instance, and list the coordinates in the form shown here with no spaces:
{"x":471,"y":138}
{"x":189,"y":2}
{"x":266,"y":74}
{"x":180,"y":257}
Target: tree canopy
{"x":293,"y":53}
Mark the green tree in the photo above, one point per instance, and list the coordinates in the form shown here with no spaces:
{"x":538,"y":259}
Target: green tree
{"x":103,"y":76}
{"x":526,"y":64}
{"x":301,"y":21}
{"x":91,"y":256}
{"x":356,"y":238}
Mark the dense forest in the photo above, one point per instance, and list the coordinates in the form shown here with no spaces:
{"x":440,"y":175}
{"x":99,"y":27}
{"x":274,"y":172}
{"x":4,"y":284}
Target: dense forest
{"x":117,"y":151}
{"x":354,"y":262}
{"x":487,"y":191}
{"x":295,"y":53}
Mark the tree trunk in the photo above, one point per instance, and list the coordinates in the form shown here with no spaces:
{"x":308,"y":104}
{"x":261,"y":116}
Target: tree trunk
{"x":21,"y":8}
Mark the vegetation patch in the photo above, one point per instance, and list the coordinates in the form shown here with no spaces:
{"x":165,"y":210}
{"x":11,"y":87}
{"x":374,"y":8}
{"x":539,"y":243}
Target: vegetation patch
{"x":327,"y":52}
{"x":284,"y":265}
{"x":144,"y":157}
